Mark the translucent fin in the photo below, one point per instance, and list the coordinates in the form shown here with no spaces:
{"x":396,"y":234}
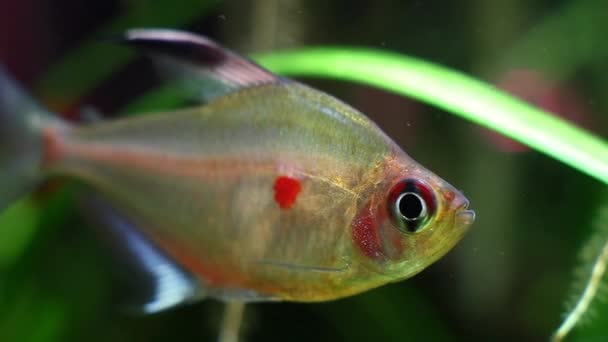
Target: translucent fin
{"x":158,"y":283}
{"x":21,"y":145}
{"x":199,"y":64}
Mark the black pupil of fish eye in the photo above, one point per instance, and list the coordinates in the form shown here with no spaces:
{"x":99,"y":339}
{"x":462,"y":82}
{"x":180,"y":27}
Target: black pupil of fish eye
{"x":410,"y":206}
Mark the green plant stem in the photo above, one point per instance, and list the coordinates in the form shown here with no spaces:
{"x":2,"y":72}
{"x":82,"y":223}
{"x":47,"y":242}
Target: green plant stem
{"x":589,"y":293}
{"x":456,"y":93}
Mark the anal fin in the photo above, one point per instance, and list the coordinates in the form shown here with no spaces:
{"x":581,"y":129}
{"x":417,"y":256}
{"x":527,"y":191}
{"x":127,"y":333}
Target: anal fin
{"x":157,"y":282}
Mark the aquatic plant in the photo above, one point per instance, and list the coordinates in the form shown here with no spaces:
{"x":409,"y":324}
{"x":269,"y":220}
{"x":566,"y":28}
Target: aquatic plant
{"x":457,"y":94}
{"x":71,"y":78}
{"x":450,"y":90}
{"x":590,"y":284}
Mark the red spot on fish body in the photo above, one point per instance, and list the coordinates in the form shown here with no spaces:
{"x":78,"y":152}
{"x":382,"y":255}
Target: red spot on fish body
{"x":366,"y":235}
{"x":286,"y":190}
{"x":448,"y":196}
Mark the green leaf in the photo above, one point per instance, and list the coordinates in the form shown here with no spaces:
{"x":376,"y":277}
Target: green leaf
{"x":17,"y":227}
{"x":455,"y":92}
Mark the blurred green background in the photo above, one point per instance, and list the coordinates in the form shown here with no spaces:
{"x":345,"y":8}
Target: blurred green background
{"x":507,"y":280}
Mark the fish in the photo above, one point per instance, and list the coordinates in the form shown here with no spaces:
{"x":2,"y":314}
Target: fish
{"x":265,"y":189}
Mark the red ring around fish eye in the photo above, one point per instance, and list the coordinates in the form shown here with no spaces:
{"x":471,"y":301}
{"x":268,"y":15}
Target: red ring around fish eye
{"x":411,"y":203}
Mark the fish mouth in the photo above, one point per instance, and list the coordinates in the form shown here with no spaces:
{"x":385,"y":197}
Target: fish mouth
{"x":466,"y":217}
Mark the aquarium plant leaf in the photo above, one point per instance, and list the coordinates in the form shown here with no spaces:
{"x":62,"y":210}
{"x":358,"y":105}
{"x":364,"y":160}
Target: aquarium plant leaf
{"x":587,"y":296}
{"x":157,"y":100}
{"x":17,"y":227}
{"x":454,"y":92}
{"x":590,"y":279}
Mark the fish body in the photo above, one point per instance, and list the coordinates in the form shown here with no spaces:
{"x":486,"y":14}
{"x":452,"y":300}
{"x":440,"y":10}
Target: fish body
{"x":270,"y":191}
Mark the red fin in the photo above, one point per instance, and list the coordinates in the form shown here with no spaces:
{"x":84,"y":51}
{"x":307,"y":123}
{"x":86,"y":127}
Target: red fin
{"x":286,"y":190}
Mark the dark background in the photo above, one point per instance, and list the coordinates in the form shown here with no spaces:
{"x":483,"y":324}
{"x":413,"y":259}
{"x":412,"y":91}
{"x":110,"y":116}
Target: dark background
{"x":507,"y":280}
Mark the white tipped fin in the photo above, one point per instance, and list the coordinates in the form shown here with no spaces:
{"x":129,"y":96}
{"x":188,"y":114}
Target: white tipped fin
{"x":199,"y":64}
{"x":159,"y":283}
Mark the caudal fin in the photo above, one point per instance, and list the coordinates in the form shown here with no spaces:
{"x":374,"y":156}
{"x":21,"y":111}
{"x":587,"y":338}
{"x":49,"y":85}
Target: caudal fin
{"x":21,"y":122}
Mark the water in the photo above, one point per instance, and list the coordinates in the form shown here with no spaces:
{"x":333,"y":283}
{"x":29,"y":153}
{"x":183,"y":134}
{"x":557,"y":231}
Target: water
{"x":507,"y":280}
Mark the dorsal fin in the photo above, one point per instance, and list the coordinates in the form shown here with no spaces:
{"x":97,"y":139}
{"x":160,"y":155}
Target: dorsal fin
{"x":199,"y":63}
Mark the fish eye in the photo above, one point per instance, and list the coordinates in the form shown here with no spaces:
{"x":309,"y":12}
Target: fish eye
{"x":411,"y":205}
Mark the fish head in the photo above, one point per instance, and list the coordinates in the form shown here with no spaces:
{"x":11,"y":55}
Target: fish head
{"x":411,"y":218}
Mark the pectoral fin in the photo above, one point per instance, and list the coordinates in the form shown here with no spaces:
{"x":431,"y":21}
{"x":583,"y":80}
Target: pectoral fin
{"x":158,"y":283}
{"x":198,"y":63}
{"x":303,"y":268}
